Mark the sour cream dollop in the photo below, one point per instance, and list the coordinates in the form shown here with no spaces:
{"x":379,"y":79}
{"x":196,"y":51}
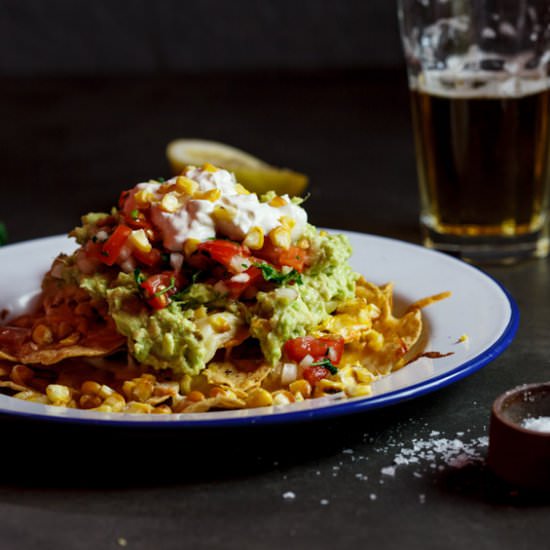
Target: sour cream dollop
{"x":227,"y":211}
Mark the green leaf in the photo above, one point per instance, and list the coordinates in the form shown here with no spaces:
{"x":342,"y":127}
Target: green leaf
{"x":327,"y":363}
{"x":278,"y":277}
{"x":139,"y":276}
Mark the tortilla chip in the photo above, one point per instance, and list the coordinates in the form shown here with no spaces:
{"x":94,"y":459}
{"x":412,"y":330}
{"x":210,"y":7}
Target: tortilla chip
{"x":218,"y":402}
{"x":399,"y":334}
{"x":227,"y":374}
{"x":12,"y":385}
{"x":52,"y":356}
{"x":7,"y":357}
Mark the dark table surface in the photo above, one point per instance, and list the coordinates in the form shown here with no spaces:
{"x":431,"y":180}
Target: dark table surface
{"x":69,"y":146}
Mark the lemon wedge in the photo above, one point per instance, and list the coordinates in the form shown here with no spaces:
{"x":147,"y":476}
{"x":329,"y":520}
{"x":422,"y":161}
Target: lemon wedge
{"x":255,"y":174}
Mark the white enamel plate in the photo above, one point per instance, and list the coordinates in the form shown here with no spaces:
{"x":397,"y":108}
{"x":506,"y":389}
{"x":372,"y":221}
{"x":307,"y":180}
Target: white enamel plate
{"x":479,"y":308}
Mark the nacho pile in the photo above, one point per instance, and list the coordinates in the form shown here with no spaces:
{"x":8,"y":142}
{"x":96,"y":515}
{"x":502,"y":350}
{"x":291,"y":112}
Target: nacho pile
{"x":192,"y":295}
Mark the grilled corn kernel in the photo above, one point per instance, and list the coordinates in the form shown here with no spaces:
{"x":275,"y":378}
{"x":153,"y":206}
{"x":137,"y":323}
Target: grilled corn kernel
{"x":277,"y":202}
{"x":363,"y":374}
{"x":212,"y":195}
{"x":280,"y":236}
{"x":58,"y":394}
{"x":42,"y":335}
{"x":21,"y":374}
{"x":283,"y":397}
{"x":219,"y":323}
{"x":186,"y":185}
{"x":301,"y":386}
{"x":143,"y":197}
{"x":138,"y":239}
{"x":105,"y":391}
{"x":135,"y":407}
{"x":143,"y":390}
{"x":287,"y":222}
{"x":259,"y":398}
{"x":195,"y":396}
{"x":358,"y":390}
{"x":375,"y":340}
{"x":88,"y":401}
{"x":170,"y":203}
{"x":30,"y":395}
{"x":90,"y":387}
{"x":104,"y":408}
{"x":190,"y":246}
{"x":161,"y":409}
{"x":201,"y":313}
{"x":254,"y":238}
{"x":217,"y":392}
{"x":116,"y":402}
{"x":207,"y":167}
{"x":241,"y":189}
{"x":224,"y":214}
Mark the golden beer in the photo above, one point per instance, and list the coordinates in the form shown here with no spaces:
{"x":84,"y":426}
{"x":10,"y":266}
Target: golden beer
{"x":483,"y":168}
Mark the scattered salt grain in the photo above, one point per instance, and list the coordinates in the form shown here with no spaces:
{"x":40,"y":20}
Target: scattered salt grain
{"x":289,"y":495}
{"x":348,"y":451}
{"x":323,"y":502}
{"x":122,"y":541}
{"x":436,"y":450}
{"x":372,"y":496}
{"x":537,"y":424}
{"x":422,"y":498}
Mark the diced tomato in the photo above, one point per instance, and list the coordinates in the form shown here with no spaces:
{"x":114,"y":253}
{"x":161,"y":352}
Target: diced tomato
{"x":152,"y":258}
{"x":93,"y":250}
{"x":314,"y":373}
{"x":157,"y":291}
{"x":236,"y":288}
{"x":224,"y":252}
{"x":140,"y":222}
{"x":122,"y":199}
{"x":330,"y":347}
{"x":113,"y":245}
{"x":294,"y":257}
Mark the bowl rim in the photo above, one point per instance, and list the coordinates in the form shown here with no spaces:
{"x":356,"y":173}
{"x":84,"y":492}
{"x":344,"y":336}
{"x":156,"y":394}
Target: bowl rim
{"x":498,"y":408}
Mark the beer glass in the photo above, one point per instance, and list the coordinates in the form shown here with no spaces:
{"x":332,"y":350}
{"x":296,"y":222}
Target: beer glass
{"x":479,"y":77}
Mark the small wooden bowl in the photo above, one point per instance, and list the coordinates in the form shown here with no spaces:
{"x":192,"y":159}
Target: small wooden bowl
{"x":518,"y":455}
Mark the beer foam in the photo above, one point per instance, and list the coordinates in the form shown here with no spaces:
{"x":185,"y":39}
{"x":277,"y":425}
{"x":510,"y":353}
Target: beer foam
{"x":467,"y":76}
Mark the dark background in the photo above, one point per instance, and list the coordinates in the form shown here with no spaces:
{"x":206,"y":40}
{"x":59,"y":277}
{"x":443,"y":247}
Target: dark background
{"x":90,"y":94}
{"x":69,"y":37}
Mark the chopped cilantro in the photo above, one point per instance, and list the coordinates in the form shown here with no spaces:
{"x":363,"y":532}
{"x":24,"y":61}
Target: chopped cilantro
{"x":166,"y":289}
{"x":160,"y":180}
{"x":273,"y":275}
{"x":178,"y":297}
{"x":134,"y":214}
{"x":138,"y":276}
{"x":3,"y":234}
{"x":165,"y":258}
{"x":327,"y":363}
